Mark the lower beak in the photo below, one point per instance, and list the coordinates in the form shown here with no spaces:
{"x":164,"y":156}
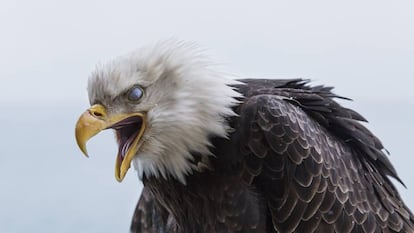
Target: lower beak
{"x":95,"y":119}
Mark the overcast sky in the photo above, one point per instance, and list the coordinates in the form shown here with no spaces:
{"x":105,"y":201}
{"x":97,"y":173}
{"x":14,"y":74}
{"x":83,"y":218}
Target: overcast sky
{"x":48,"y":49}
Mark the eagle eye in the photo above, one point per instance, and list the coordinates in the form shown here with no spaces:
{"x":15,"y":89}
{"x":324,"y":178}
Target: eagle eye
{"x":135,"y":93}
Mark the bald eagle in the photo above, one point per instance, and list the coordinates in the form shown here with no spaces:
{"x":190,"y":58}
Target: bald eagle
{"x":221,"y":154}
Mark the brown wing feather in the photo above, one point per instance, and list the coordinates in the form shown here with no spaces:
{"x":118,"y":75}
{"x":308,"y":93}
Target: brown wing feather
{"x":320,"y":170}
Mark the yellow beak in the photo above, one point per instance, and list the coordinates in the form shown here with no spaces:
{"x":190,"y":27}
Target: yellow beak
{"x":129,"y":130}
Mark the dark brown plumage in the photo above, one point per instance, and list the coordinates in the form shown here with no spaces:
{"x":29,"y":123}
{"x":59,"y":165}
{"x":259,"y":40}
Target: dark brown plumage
{"x":296,"y":161}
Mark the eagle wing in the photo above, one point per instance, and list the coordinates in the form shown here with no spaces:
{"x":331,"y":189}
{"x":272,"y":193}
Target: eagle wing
{"x":318,"y":168}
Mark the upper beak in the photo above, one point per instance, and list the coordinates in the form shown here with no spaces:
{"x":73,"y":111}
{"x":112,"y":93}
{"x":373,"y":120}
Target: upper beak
{"x":96,"y":119}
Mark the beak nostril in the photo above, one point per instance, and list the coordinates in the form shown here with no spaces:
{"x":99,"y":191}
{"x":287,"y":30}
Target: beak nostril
{"x":97,"y":111}
{"x":96,"y":114}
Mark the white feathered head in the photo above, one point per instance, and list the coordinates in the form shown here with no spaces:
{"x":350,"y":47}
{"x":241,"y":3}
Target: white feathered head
{"x":164,"y":102}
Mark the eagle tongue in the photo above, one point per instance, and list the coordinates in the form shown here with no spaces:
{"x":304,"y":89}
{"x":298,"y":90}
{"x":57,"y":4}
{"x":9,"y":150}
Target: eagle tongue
{"x":123,"y":148}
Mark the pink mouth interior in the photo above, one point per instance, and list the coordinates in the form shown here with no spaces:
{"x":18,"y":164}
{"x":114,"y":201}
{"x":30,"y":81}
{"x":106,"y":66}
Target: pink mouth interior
{"x":126,"y":131}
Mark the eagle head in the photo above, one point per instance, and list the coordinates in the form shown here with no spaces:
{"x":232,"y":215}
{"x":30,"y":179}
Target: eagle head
{"x":163,"y":102}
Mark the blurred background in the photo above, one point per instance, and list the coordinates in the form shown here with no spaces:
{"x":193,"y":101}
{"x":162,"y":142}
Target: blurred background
{"x":48,"y":49}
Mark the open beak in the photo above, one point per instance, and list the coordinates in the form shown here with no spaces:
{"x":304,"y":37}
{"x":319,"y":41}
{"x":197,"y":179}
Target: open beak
{"x":129,"y":129}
